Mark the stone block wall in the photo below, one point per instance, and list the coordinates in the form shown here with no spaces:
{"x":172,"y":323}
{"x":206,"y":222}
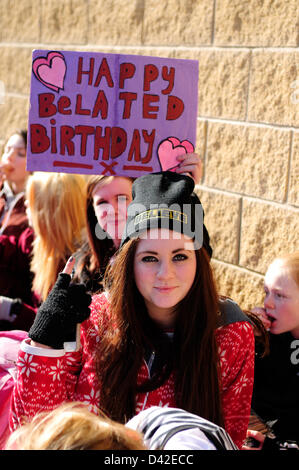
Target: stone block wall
{"x":248,"y":106}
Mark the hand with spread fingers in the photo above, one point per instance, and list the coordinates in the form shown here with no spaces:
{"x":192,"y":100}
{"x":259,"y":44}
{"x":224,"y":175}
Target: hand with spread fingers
{"x":65,"y":307}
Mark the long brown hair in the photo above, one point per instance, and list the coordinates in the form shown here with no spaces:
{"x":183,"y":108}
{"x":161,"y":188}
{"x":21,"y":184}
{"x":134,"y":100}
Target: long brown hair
{"x":192,"y":355}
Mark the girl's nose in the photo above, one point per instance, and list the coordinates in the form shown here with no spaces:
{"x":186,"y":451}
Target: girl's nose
{"x":269,"y":301}
{"x":10,"y":154}
{"x":165,"y":270}
{"x":112,"y":212}
{"x":116,"y":208}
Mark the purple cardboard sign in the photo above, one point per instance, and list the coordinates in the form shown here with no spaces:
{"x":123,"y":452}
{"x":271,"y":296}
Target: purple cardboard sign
{"x":112,"y":114}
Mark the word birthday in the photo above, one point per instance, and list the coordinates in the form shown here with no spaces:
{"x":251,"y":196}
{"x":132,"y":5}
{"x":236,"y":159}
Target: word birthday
{"x":111,"y":140}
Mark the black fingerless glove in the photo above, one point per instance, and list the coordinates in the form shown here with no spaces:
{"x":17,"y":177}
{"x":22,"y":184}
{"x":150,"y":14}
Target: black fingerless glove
{"x":56,"y":319}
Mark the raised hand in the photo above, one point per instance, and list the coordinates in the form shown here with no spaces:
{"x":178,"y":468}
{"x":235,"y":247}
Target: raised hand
{"x":191,"y":164}
{"x":57,"y":318}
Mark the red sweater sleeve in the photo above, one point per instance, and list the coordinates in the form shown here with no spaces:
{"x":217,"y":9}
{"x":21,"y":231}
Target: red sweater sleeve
{"x":236,"y":351}
{"x":46,"y":377}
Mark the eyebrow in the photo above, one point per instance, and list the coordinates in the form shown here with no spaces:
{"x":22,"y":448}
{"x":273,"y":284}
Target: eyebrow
{"x":17,"y":147}
{"x":275,"y":289}
{"x":156,"y":253}
{"x":104,"y":198}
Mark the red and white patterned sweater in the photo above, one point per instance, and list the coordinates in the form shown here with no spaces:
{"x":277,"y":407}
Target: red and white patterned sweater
{"x":48,"y":377}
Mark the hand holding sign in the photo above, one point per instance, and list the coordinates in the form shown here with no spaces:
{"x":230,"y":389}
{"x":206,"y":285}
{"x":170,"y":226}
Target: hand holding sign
{"x":170,"y":149}
{"x":190,"y":164}
{"x":178,"y":156}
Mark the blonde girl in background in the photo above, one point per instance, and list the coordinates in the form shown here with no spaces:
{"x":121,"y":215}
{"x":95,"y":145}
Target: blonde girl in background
{"x":276,"y":380}
{"x":56,"y":211}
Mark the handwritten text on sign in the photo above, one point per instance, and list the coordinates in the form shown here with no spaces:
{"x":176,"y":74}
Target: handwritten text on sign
{"x":110,"y":113}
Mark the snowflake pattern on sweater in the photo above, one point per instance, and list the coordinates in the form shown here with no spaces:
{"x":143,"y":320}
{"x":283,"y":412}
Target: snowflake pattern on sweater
{"x":47,"y":378}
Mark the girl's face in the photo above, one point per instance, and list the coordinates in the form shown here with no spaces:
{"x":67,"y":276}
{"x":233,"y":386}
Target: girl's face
{"x":110,"y":202}
{"x":164,"y":270}
{"x":14,"y":161}
{"x":281,"y":300}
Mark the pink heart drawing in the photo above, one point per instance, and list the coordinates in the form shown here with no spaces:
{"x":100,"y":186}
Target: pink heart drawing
{"x":50,"y":71}
{"x":169,"y":149}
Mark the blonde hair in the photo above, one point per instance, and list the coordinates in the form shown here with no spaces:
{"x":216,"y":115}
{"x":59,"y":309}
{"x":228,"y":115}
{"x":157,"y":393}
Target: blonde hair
{"x":72,"y":426}
{"x":57,"y":208}
{"x":291,"y":262}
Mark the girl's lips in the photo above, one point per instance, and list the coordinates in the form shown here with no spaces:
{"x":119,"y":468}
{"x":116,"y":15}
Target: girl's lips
{"x":165,"y":289}
{"x":272,"y":321}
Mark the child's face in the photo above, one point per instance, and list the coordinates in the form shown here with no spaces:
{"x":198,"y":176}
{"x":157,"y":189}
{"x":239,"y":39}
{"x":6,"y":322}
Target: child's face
{"x":281,"y":300}
{"x":110,"y":202}
{"x":164,"y":271}
{"x":14,"y":159}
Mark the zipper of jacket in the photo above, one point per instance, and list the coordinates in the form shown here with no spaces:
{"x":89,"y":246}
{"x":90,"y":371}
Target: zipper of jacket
{"x":149,"y":366}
